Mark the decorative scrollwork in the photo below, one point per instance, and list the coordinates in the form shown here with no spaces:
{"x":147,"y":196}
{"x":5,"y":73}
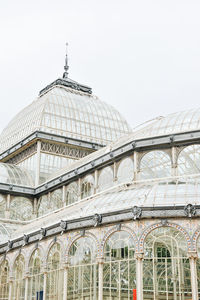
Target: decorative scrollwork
{"x":190,"y":210}
{"x":26,"y":239}
{"x":97,"y":219}
{"x":137,"y":212}
{"x":63,"y":224}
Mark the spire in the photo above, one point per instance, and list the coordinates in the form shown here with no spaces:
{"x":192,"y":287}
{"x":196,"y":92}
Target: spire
{"x":66,"y":67}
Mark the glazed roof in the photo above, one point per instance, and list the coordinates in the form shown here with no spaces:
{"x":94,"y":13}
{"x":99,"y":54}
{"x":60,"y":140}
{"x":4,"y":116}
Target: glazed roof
{"x":158,"y":193}
{"x":65,"y":111}
{"x":11,"y":174}
{"x":178,"y":122}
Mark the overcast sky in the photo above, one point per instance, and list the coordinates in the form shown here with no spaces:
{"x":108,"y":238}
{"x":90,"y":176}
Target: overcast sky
{"x":143,"y":57}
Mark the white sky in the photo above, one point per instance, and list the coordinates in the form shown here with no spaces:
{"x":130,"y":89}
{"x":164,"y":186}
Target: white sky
{"x":143,"y":57}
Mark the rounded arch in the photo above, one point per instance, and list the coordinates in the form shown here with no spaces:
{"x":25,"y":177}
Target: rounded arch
{"x":42,"y":252}
{"x":195,"y":238}
{"x":51,"y":244}
{"x":78,"y":236}
{"x":21,"y":252}
{"x":158,"y":225}
{"x":21,"y":208}
{"x":111,"y":231}
{"x":125,"y":170}
{"x":188,"y":160}
{"x":155,"y":164}
{"x":105,"y":178}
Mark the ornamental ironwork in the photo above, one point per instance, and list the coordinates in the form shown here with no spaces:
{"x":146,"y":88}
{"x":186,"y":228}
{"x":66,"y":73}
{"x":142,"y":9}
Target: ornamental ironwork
{"x":137,"y":212}
{"x":190,"y":210}
{"x":97,"y":219}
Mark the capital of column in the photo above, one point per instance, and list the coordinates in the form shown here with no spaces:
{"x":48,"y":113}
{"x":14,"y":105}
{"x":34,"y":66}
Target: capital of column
{"x":139,"y":255}
{"x":65,"y":265}
{"x":192,"y":255}
{"x":100,"y":260}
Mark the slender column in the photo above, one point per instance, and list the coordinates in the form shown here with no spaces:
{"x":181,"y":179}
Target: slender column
{"x":35,"y":207}
{"x":100,"y":262}
{"x":65,"y":284}
{"x":10,"y":296}
{"x":135,"y":159}
{"x":7,"y":211}
{"x":174,"y":163}
{"x":37,"y":173}
{"x":63,"y":195}
{"x":45,"y":285}
{"x":95,"y":181}
{"x":26,"y":288}
{"x":139,"y":275}
{"x":115,"y":172}
{"x":79,"y":189}
{"x":193,"y":271}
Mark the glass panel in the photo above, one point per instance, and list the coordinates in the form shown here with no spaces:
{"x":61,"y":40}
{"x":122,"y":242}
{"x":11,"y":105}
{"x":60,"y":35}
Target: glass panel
{"x":83,"y":270}
{"x":155,"y":164}
{"x":189,"y":160}
{"x":21,"y":209}
{"x":125,"y":170}
{"x":71,"y":195}
{"x":36,"y":277}
{"x":166,"y":267}
{"x":87,"y":186}
{"x":54,"y":274}
{"x":19,"y":281}
{"x":4,"y":280}
{"x":106,"y":179}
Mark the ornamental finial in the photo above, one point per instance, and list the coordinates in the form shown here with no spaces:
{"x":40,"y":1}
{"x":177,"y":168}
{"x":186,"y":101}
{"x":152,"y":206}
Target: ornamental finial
{"x":66,"y":67}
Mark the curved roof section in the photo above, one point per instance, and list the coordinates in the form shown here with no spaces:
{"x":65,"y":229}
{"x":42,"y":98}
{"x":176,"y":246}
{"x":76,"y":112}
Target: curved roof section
{"x":11,"y":174}
{"x":174,"y":123}
{"x":65,"y":111}
{"x":179,"y":192}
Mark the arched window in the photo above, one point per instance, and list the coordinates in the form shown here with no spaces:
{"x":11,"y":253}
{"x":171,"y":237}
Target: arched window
{"x":54,"y":274}
{"x":155,"y":164}
{"x":19,"y":281}
{"x":21,"y":209}
{"x":50,"y":203}
{"x":87,"y":186}
{"x":189,"y":160}
{"x":105,"y":179}
{"x":71,"y":195}
{"x":4,"y":280}
{"x":125,"y":170}
{"x":83,"y":270}
{"x":35,"y":287}
{"x":166,"y":269}
{"x":119,"y":270}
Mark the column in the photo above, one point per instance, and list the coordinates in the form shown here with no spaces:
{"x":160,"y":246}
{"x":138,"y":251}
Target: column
{"x":63,"y":195}
{"x":65,"y":284}
{"x":174,"y":162}
{"x":139,"y":275}
{"x":95,"y":181}
{"x":37,"y":173}
{"x":100,"y":262}
{"x":26,"y":287}
{"x":115,"y":172}
{"x":193,"y":271}
{"x":11,"y":288}
{"x":45,"y":285}
{"x":135,"y":160}
{"x":7,"y":211}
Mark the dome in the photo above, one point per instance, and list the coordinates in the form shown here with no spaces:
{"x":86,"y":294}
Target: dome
{"x":173,"y":123}
{"x":67,"y":112}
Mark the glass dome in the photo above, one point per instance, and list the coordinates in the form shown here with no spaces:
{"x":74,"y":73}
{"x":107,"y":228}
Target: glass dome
{"x":67,"y":112}
{"x":174,"y":123}
{"x":12,"y":174}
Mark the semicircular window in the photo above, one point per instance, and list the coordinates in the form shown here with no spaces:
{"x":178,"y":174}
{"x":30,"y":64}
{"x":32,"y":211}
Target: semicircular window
{"x":155,"y":164}
{"x":125,"y":171}
{"x":189,"y":160}
{"x":105,"y":179}
{"x":21,"y":209}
